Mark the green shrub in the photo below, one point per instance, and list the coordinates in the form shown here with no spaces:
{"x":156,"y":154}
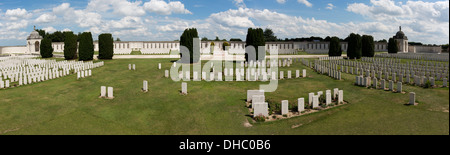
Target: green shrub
{"x":274,"y":107}
{"x":293,"y":106}
{"x":186,"y":40}
{"x":86,"y":49}
{"x":260,"y":118}
{"x":70,"y":46}
{"x":427,"y":84}
{"x":105,"y":46}
{"x":46,"y":48}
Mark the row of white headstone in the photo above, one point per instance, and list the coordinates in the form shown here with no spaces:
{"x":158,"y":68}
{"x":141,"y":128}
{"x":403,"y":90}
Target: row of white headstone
{"x":240,"y":75}
{"x":373,"y":82}
{"x":25,"y":70}
{"x":83,"y":74}
{"x":261,"y":107}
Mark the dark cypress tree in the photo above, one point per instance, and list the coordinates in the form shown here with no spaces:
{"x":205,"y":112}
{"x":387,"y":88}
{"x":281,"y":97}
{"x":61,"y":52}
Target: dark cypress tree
{"x":105,"y":46}
{"x":255,"y":38}
{"x":187,"y":40}
{"x":354,"y":46}
{"x":368,"y":46}
{"x":335,"y":47}
{"x":46,"y":48}
{"x":70,"y":46}
{"x":392,"y":46}
{"x":86,"y":50}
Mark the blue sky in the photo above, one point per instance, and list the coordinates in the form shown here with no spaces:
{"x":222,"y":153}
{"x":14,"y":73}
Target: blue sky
{"x":425,"y":21}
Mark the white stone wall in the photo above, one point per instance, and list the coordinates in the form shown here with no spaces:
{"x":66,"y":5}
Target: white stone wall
{"x":13,"y":49}
{"x":424,"y":49}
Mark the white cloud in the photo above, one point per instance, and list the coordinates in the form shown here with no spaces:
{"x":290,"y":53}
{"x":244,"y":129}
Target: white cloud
{"x":46,"y":18}
{"x":118,"y":7}
{"x":281,"y":1}
{"x":308,"y":4}
{"x":164,"y":8}
{"x":17,"y":14}
{"x":66,"y":30}
{"x":239,"y":3}
{"x":49,"y":29}
{"x":330,"y":6}
{"x":426,"y":22}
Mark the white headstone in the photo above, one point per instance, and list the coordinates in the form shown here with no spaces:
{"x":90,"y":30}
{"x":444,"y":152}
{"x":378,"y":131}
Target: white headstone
{"x":412,"y":98}
{"x":301,"y":105}
{"x":184,"y":88}
{"x":315,"y":102}
{"x":341,"y":96}
{"x":103,"y":91}
{"x":284,"y":107}
{"x":261,"y":109}
{"x":110,"y":92}
{"x":145,"y":86}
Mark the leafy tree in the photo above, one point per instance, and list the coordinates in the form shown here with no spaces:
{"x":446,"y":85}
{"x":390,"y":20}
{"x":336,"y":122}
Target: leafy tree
{"x":392,"y":46}
{"x":186,"y":40}
{"x":328,"y":38}
{"x":368,"y":46}
{"x":86,"y":49}
{"x":217,"y":39}
{"x":70,"y":46}
{"x":41,"y":32}
{"x":354,"y":46}
{"x":105,"y":46}
{"x":46,"y":48}
{"x":225,"y":44}
{"x":118,"y":39}
{"x":335,"y":47}
{"x":269,"y":35}
{"x":204,"y":39}
{"x":255,"y":38}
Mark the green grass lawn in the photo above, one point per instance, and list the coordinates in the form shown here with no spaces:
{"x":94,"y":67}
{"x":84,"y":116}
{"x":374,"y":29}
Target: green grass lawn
{"x":70,"y":106}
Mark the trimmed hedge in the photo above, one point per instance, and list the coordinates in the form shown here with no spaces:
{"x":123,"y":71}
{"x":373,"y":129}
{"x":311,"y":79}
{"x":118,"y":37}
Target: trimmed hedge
{"x":187,"y":40}
{"x":70,"y":46}
{"x":255,"y":38}
{"x":46,"y":48}
{"x":354,"y":46}
{"x":86,"y":49}
{"x":392,"y":46}
{"x":368,"y":46}
{"x":335,"y":47}
{"x":105,"y":46}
